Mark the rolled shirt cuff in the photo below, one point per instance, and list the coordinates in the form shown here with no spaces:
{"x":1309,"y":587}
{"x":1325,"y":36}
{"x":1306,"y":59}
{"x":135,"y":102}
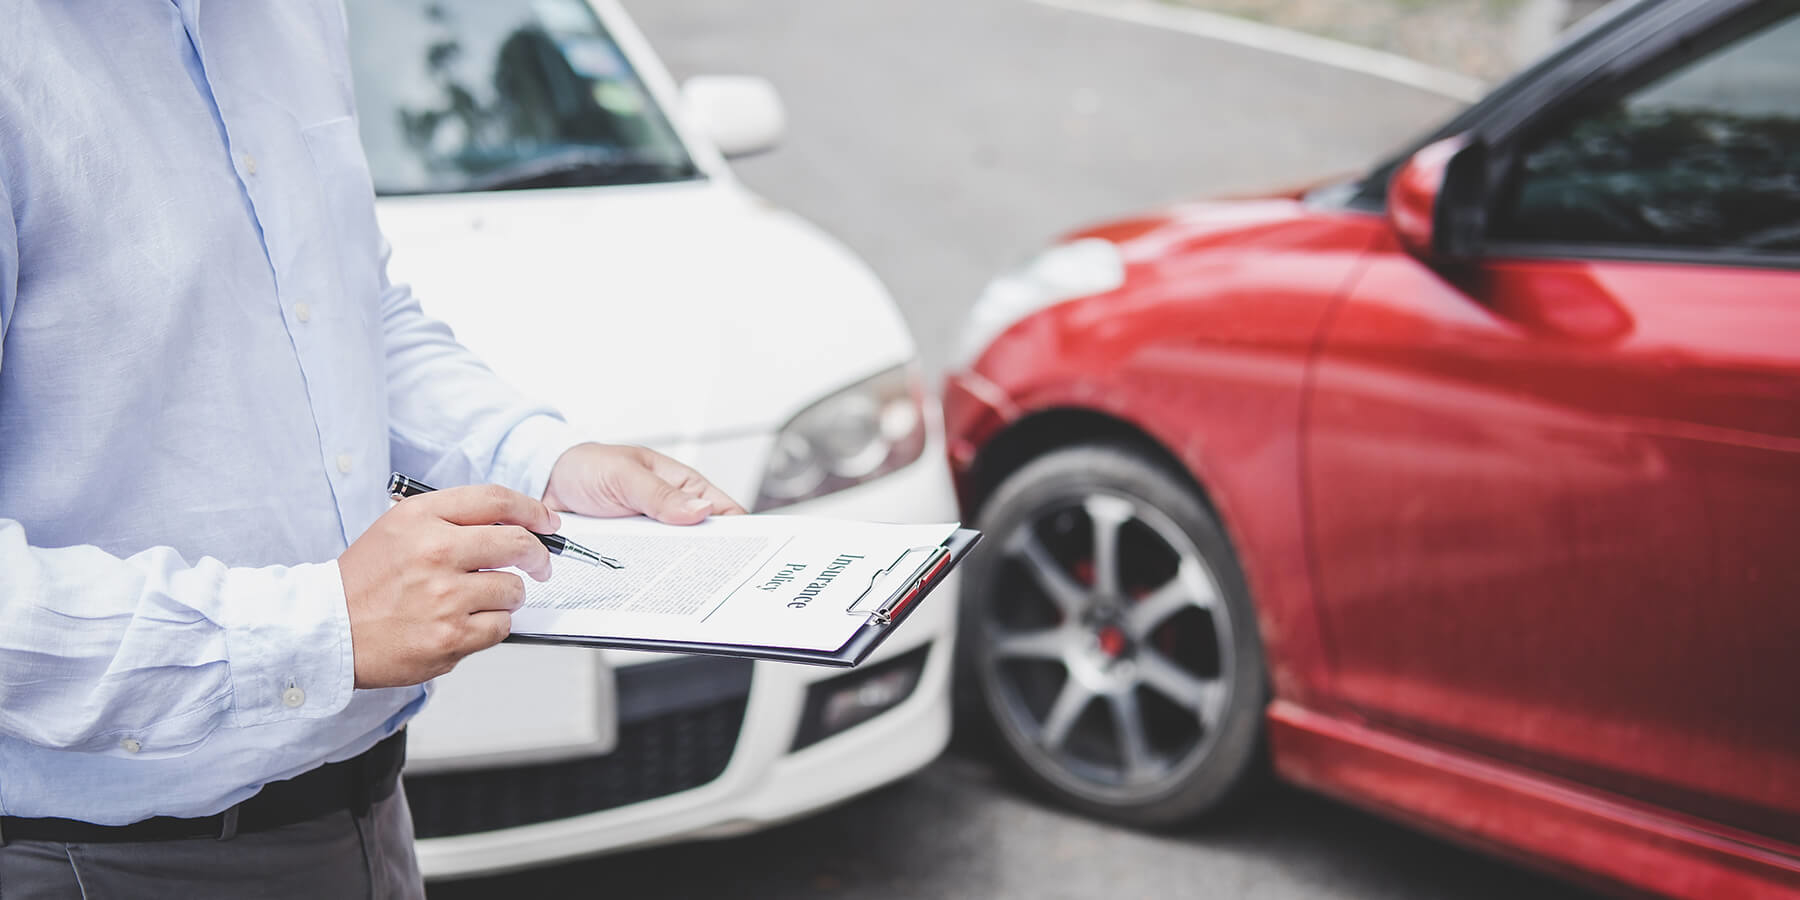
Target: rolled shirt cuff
{"x":293,"y":659}
{"x":530,"y":450}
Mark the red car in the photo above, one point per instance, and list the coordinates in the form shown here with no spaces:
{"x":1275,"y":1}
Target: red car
{"x":1467,"y":492}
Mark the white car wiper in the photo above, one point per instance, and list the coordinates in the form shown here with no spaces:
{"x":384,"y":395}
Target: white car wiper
{"x":580,"y":167}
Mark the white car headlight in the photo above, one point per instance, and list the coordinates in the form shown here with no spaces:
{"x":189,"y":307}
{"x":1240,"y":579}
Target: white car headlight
{"x":859,"y":433}
{"x":1069,"y":271}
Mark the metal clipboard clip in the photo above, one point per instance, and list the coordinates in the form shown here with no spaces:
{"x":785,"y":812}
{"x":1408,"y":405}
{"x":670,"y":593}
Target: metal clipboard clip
{"x":917,"y":565}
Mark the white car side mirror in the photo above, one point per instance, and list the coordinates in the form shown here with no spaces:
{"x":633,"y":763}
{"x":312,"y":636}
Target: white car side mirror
{"x":742,"y":115}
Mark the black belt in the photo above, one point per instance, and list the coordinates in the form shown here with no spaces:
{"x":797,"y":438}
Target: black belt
{"x":354,"y":784}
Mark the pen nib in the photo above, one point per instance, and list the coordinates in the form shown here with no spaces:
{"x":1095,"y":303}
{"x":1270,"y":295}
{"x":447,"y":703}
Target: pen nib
{"x":590,"y":557}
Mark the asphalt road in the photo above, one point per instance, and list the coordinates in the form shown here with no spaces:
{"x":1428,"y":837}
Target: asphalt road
{"x":946,"y":139}
{"x":943,"y":139}
{"x":957,"y":832}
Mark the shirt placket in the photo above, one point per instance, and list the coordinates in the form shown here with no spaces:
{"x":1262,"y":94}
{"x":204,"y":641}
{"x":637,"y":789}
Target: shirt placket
{"x":300,"y":305}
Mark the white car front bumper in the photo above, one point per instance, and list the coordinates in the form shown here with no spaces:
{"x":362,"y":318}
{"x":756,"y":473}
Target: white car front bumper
{"x":765,"y":780}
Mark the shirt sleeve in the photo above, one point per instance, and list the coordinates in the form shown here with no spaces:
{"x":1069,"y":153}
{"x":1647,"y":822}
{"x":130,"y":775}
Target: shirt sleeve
{"x":452,"y":419}
{"x":146,"y":655}
{"x":149,"y":656}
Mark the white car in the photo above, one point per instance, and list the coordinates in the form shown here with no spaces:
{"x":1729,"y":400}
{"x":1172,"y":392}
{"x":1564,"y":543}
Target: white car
{"x":553,"y":196}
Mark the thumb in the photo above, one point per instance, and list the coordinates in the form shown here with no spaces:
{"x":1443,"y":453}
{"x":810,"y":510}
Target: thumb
{"x":662,"y":501}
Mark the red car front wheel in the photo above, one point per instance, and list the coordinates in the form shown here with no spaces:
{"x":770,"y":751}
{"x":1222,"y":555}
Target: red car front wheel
{"x":1108,"y":629}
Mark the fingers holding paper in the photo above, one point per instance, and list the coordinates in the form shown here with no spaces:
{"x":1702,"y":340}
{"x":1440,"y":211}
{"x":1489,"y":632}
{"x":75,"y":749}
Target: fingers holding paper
{"x":674,"y":493}
{"x":610,"y":480}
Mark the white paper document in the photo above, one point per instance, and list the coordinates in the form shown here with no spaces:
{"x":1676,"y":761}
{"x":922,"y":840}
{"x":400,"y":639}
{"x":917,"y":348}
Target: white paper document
{"x":768,"y":581}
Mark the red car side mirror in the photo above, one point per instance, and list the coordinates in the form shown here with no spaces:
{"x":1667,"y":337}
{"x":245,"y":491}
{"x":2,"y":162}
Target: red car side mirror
{"x":1431,"y":198}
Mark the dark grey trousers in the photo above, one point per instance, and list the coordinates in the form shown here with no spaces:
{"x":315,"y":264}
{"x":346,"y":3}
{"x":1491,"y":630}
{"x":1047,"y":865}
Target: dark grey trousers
{"x":337,"y":857}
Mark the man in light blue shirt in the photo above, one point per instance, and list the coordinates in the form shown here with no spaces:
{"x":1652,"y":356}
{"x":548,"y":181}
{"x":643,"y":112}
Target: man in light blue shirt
{"x":205,"y":377}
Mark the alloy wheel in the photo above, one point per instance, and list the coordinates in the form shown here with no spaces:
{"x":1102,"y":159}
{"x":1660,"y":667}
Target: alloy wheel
{"x":1106,"y":653}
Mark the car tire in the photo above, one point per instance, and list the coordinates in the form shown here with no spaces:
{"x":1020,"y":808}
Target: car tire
{"x":1157,"y":646}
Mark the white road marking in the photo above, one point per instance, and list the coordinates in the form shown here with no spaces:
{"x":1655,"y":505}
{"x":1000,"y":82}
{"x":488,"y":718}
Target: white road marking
{"x":1283,"y":41}
{"x":1538,"y":26}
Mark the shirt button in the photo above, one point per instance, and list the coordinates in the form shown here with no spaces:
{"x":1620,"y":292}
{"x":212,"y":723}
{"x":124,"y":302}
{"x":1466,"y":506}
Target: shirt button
{"x":130,"y":746}
{"x":344,"y":463}
{"x":249,"y":164}
{"x":303,"y":312}
{"x":293,"y":697}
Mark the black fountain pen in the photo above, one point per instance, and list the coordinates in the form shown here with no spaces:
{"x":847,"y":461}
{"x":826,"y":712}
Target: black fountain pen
{"x":401,"y":487}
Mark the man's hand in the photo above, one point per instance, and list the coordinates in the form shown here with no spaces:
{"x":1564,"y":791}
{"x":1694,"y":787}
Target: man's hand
{"x":415,"y":583}
{"x":610,"y":480}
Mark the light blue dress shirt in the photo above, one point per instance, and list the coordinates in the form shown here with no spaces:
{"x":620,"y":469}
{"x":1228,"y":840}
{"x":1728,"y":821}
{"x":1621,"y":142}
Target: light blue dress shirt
{"x":205,"y":378}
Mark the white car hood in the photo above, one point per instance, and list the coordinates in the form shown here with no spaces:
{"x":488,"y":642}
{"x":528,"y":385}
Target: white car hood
{"x":650,"y":313}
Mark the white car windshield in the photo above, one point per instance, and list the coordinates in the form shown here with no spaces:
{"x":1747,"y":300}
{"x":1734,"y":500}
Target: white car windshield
{"x":481,"y":95}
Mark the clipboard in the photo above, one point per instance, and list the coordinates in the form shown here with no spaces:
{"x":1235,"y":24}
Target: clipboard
{"x":892,"y":595}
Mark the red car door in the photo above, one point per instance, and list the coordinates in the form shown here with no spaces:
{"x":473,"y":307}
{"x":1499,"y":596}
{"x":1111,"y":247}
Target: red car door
{"x":1554,"y":497}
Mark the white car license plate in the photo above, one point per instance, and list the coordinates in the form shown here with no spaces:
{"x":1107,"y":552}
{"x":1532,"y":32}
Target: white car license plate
{"x":516,"y":704}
